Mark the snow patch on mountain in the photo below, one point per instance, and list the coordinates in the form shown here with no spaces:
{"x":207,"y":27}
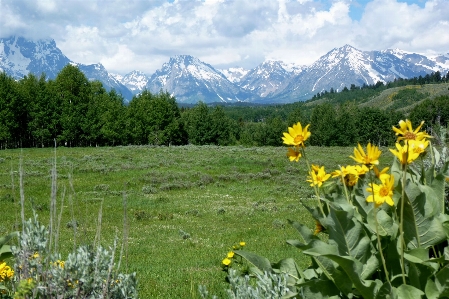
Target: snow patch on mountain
{"x":234,"y":74}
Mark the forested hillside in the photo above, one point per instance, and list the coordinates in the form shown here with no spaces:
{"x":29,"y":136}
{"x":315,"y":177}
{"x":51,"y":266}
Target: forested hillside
{"x":73,"y":111}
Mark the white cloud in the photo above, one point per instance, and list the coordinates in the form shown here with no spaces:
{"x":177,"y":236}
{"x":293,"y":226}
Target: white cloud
{"x":134,"y":34}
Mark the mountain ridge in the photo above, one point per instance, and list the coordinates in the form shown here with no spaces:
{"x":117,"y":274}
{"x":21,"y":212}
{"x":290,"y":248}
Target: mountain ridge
{"x":191,"y":80}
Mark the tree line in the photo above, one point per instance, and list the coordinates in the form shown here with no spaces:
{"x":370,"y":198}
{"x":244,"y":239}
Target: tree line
{"x":73,"y":111}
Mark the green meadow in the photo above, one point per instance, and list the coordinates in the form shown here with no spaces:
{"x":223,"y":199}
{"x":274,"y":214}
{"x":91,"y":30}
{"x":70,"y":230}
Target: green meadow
{"x":177,"y":210}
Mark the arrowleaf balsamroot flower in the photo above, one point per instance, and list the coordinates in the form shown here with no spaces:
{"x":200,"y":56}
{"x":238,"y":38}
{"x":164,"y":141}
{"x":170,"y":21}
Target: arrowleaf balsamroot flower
{"x":293,"y":154}
{"x":409,"y":152}
{"x":370,"y":158}
{"x":296,"y":135}
{"x":318,"y":176}
{"x":407,"y":133}
{"x":382,"y":193}
{"x":350,"y":174}
{"x":380,"y":174}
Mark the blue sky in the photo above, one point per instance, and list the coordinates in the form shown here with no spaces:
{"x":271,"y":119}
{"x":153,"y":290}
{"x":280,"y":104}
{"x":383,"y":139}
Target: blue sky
{"x":126,"y":35}
{"x":357,"y":7}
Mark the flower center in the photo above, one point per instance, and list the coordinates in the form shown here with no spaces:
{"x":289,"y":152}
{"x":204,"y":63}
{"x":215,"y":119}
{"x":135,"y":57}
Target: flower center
{"x":299,"y":139}
{"x":410,"y":136}
{"x":384,"y":191}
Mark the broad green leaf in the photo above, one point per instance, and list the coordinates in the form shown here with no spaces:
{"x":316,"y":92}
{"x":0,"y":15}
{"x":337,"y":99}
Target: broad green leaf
{"x":318,"y":289}
{"x":310,"y":274}
{"x":392,"y":257}
{"x":442,"y":282}
{"x":370,"y":266}
{"x":348,"y":234}
{"x":386,"y":291}
{"x":409,"y":292}
{"x":434,"y":191}
{"x":418,"y":275}
{"x":432,"y":291}
{"x":317,"y":248}
{"x":421,"y":228}
{"x":363,"y":207}
{"x":304,"y":231}
{"x":4,"y":240}
{"x":386,"y":225}
{"x":259,"y":262}
{"x":353,"y":269}
{"x":417,"y":255}
{"x":5,"y":252}
{"x":289,"y":267}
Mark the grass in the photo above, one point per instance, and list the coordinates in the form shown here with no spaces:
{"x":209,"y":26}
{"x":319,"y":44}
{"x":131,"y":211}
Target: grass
{"x":186,"y":206}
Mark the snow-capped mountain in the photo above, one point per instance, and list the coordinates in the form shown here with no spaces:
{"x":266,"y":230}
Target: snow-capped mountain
{"x":135,"y":81}
{"x":20,"y":56}
{"x":234,"y":74}
{"x":266,"y":78}
{"x":347,"y":65}
{"x":191,"y":80}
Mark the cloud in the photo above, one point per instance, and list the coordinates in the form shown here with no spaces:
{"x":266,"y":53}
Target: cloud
{"x":137,"y":34}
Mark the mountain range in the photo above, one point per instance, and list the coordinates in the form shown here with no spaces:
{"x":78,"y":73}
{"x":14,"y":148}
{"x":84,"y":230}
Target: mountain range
{"x":191,"y":80}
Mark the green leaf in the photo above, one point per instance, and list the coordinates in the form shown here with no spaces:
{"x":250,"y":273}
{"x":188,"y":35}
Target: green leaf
{"x":432,"y":291}
{"x":421,"y":228}
{"x":386,"y":225}
{"x":409,"y":292}
{"x":289,"y":267}
{"x":316,"y":248}
{"x":417,"y":255}
{"x":418,"y":275}
{"x":386,"y":291}
{"x":370,"y":266}
{"x":353,"y":269}
{"x":5,"y":252}
{"x":260,"y":263}
{"x":442,"y":281}
{"x":4,"y":240}
{"x":318,"y":289}
{"x":304,"y":231}
{"x":363,"y":207}
{"x":347,"y":233}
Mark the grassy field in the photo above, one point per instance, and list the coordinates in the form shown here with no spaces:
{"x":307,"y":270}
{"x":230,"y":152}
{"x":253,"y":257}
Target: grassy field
{"x":186,"y":206}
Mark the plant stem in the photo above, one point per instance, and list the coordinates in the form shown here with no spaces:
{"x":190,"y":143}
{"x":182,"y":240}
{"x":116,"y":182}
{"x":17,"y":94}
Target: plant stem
{"x":379,"y":243}
{"x":344,"y":186}
{"x":401,"y":223}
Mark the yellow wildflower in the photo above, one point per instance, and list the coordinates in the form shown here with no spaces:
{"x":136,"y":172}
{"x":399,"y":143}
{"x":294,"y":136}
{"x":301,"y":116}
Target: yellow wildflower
{"x":409,"y":152}
{"x":382,"y":193}
{"x":349,"y":174}
{"x":242,"y":244}
{"x":293,"y":154}
{"x":407,"y":133}
{"x":360,"y":169}
{"x":296,"y":135}
{"x":370,"y":158}
{"x":226,"y":262}
{"x":5,"y":271}
{"x":317,"y":178}
{"x":318,"y":227}
{"x":380,"y":174}
{"x":230,"y":255}
{"x":35,"y":255}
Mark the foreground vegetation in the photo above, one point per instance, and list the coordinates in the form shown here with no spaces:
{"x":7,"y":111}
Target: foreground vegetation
{"x":186,"y":205}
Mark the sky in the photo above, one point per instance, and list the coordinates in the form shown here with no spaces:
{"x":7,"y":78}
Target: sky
{"x":127,"y":35}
